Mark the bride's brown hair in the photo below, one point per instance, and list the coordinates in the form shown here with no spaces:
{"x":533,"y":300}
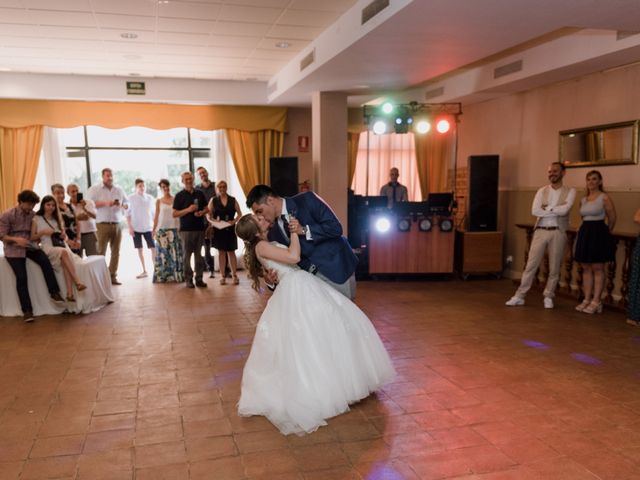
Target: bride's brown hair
{"x":247,"y":229}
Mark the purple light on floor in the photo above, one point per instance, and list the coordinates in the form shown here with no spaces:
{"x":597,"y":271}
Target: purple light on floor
{"x":584,"y":358}
{"x":534,"y":344}
{"x":383,"y":472}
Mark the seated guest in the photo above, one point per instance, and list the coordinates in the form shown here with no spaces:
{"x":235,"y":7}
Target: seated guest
{"x":169,"y":259}
{"x":15,"y":231}
{"x":48,"y":229}
{"x":68,"y":216}
{"x":394,"y":190}
{"x":85,"y":211}
{"x":633,"y":307}
{"x":595,"y":245}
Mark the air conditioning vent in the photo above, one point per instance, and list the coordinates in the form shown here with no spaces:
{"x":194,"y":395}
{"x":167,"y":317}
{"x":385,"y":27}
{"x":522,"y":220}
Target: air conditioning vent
{"x":507,"y":69}
{"x":272,"y":88}
{"x":622,"y":34}
{"x":308,"y":60}
{"x":373,"y":9}
{"x":436,"y":92}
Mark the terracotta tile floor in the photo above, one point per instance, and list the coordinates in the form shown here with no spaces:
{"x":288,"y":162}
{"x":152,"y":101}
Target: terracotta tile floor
{"x":147,"y":389}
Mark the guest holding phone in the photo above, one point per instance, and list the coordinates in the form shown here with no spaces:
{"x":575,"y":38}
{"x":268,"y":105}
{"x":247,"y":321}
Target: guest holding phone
{"x":190,"y":206}
{"x":110,"y":201}
{"x":85,"y":211}
{"x":68,"y":216}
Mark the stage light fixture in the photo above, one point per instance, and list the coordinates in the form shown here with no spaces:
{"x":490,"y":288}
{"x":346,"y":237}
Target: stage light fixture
{"x":423,"y":127}
{"x":424,"y":225}
{"x":404,"y":224}
{"x":387,"y":108}
{"x":379,"y":127}
{"x":443,"y":126}
{"x":383,"y":224}
{"x":446,"y":225}
{"x":398,"y":120}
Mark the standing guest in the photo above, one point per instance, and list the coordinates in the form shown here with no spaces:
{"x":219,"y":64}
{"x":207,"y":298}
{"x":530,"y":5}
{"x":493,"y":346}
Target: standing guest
{"x":225,"y":208}
{"x":190,"y":206}
{"x":207,"y":187}
{"x":15,"y":233}
{"x":140,"y":215}
{"x":110,"y":200}
{"x":394,"y":190}
{"x":633,"y":311}
{"x":85,"y":211}
{"x":552,"y":205}
{"x":169,"y":259}
{"x":595,"y":246}
{"x":48,"y":229}
{"x":68,"y":216}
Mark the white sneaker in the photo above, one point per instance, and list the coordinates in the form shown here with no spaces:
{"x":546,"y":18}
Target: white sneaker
{"x":514,"y":301}
{"x":142,"y":275}
{"x":548,"y":302}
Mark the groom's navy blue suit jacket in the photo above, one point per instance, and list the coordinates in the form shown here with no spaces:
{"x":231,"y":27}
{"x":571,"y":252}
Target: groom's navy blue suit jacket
{"x":328,"y":250}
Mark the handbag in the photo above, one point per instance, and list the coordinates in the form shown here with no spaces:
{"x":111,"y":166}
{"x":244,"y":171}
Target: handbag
{"x":56,"y":237}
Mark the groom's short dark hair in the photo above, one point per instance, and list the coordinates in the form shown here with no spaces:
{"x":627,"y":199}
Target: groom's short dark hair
{"x":259,"y":194}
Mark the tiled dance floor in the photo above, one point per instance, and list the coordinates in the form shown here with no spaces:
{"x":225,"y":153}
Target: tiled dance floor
{"x":146,"y":389}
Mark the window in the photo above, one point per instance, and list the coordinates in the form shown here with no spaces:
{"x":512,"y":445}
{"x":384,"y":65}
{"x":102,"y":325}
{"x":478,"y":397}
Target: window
{"x":383,"y":153}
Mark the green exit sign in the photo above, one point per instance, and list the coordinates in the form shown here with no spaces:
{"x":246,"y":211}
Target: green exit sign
{"x":135,"y":88}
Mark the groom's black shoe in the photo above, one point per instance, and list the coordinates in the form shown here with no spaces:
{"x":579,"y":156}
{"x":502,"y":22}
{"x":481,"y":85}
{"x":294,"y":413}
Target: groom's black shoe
{"x":200,"y":283}
{"x":190,"y":284}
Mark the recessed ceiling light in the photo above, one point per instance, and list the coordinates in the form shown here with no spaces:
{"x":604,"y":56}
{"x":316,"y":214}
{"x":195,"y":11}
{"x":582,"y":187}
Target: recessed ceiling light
{"x":129,"y":35}
{"x":5,"y":69}
{"x":163,"y":2}
{"x":283,"y":44}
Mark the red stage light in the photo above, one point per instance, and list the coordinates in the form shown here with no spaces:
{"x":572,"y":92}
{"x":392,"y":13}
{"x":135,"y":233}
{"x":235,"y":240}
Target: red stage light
{"x":443,"y":126}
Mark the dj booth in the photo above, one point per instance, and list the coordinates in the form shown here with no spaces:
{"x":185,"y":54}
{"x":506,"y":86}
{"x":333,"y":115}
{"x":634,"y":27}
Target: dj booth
{"x":409,"y":238}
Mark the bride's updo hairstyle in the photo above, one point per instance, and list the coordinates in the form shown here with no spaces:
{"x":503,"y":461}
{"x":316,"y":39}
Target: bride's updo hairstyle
{"x":247,"y":229}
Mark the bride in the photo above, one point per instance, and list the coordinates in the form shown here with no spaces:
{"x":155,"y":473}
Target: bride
{"x":314,"y":351}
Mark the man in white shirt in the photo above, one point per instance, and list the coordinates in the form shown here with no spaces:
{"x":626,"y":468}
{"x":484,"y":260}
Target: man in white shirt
{"x":552,"y":205}
{"x":110,"y":201}
{"x":85,"y":213}
{"x":140,"y":216}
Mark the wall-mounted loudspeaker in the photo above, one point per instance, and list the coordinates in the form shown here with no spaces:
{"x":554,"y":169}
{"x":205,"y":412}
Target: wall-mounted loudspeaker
{"x":482,"y":211}
{"x":284,"y":175}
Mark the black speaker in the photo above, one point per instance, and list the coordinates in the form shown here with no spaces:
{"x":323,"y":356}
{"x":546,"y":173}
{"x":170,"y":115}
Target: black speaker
{"x":284,"y":175}
{"x":482,"y":211}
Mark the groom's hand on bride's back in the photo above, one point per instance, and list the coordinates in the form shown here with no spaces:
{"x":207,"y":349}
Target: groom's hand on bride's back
{"x":271,"y":279}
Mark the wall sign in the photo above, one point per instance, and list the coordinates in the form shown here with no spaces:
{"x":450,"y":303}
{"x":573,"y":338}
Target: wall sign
{"x":303,"y":144}
{"x":135,"y":88}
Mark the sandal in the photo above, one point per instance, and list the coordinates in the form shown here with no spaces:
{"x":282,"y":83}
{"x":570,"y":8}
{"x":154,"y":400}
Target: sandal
{"x":81,"y":286}
{"x":236,"y":280}
{"x":223,"y":281}
{"x":71,"y":298}
{"x":593,"y":307}
{"x":585,"y":303}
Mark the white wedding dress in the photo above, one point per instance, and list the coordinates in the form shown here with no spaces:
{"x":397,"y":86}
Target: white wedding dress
{"x":314,"y":353}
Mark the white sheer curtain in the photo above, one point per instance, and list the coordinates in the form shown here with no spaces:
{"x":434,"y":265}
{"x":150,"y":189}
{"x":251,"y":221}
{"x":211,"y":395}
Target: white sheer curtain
{"x":386,"y":151}
{"x":51,"y":166}
{"x":223,"y":168}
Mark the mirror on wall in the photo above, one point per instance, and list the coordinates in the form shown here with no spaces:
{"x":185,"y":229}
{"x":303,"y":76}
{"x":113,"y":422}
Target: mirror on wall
{"x":612,"y":144}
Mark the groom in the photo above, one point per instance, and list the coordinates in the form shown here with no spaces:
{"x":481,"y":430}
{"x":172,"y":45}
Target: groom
{"x":324,"y":251}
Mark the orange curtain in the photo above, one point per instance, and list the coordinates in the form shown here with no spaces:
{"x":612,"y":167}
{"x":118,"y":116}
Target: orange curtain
{"x":352,"y":154}
{"x":434,"y":159}
{"x":66,"y":114}
{"x":251,"y":152}
{"x":19,"y":157}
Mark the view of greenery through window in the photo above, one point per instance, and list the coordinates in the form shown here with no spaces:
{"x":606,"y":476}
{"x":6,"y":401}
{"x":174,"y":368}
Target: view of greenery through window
{"x":134,"y":152}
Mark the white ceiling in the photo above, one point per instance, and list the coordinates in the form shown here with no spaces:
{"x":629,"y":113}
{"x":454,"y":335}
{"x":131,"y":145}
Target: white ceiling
{"x":223,"y":39}
{"x":410,"y":43}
